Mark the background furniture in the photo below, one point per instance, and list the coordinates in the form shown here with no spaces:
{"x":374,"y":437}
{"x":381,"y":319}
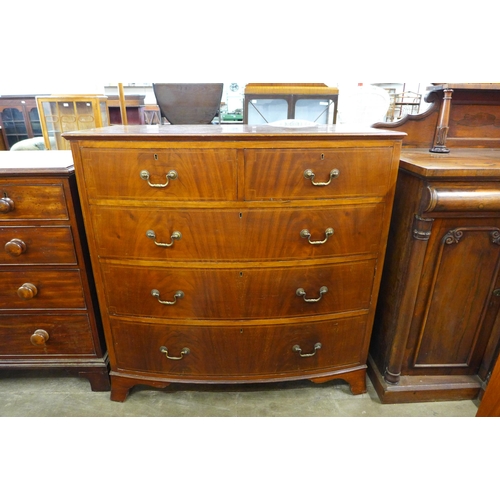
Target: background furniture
{"x":269,"y":102}
{"x":48,"y":311}
{"x":63,"y":113}
{"x":490,"y":402}
{"x":134,"y":106}
{"x":236,"y":254}
{"x":402,"y":104}
{"x":436,"y":334}
{"x":3,"y":147}
{"x":19,"y":119}
{"x":188,"y":103}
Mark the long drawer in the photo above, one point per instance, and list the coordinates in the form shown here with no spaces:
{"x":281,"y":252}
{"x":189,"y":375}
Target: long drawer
{"x":35,"y":289}
{"x":65,"y":334}
{"x":239,"y":351}
{"x":136,"y":174}
{"x":238,"y":293}
{"x":233,"y":234}
{"x":25,"y":245}
{"x":34,"y":201}
{"x":299,"y":174}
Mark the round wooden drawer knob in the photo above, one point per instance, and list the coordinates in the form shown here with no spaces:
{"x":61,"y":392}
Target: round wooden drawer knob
{"x":39,"y":337}
{"x":6,"y":205}
{"x":15,"y":247}
{"x":27,"y":291}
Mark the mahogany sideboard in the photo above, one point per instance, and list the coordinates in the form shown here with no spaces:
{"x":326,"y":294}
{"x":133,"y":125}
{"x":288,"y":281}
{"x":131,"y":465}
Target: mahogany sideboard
{"x":236,"y":254}
{"x":49,"y":316}
{"x":437,"y":329}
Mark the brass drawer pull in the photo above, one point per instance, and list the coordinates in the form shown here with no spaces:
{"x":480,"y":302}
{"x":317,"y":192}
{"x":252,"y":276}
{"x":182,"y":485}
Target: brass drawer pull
{"x":6,"y":204}
{"x":309,"y":174}
{"x":306,"y":234}
{"x":184,"y":352}
{"x":171,"y":175}
{"x":39,"y":337}
{"x":302,"y":293}
{"x":27,"y":291}
{"x":177,"y":295}
{"x":15,"y":247}
{"x":176,"y":235}
{"x":296,"y":348}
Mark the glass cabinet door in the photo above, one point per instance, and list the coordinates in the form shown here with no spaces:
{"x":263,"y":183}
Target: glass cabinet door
{"x":266,"y":111}
{"x":14,"y":125}
{"x":314,"y":110}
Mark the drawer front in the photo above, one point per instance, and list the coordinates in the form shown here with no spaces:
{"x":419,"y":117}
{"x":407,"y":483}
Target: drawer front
{"x":43,"y":201}
{"x":245,"y":234}
{"x":22,"y":245}
{"x":34,"y":289}
{"x":238,"y":293}
{"x":284,"y":174}
{"x":235,"y":351}
{"x":65,"y":335}
{"x":199,"y":174}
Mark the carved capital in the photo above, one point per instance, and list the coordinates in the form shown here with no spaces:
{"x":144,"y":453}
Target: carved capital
{"x":421,"y":228}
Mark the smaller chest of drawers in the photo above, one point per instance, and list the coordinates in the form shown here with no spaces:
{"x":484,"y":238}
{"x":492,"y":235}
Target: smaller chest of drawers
{"x":236,"y":254}
{"x":49,"y":316}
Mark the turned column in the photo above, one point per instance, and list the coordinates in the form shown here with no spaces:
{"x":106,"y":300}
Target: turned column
{"x":421,"y":232}
{"x":439,"y":145}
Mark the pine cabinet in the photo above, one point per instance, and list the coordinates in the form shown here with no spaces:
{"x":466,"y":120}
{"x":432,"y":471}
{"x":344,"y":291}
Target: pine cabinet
{"x":64,"y":113}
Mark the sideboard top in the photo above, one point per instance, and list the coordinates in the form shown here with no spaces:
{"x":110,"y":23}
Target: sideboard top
{"x":229,"y":132}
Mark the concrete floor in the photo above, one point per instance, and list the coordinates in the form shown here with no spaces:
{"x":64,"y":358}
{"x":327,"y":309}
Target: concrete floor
{"x":55,"y":394}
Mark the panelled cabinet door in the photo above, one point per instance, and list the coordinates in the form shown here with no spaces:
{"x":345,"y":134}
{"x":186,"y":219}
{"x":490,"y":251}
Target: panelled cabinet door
{"x":458,"y":299}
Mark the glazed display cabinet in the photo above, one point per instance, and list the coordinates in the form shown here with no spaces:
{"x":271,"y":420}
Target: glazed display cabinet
{"x":64,"y":113}
{"x":19,"y":119}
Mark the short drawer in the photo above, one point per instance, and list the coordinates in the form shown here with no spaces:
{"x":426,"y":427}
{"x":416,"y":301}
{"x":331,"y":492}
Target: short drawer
{"x":293,"y":173}
{"x":238,"y":234}
{"x":43,"y":201}
{"x":238,"y":351}
{"x":24,"y":245}
{"x":163,"y":175}
{"x":35,"y":289}
{"x":274,"y":292}
{"x":42,"y":335}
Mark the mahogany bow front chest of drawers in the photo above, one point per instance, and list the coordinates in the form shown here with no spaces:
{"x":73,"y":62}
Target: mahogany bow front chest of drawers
{"x":48,"y":305}
{"x":229,"y":254}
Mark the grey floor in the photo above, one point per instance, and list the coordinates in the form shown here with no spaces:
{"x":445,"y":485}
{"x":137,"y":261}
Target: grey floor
{"x":55,"y":394}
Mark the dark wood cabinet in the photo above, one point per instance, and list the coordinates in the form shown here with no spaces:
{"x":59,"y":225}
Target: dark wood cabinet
{"x":436,"y":332}
{"x":437,"y":328}
{"x":19,"y":119}
{"x":236,"y":254}
{"x":49,"y":316}
{"x":135,"y":109}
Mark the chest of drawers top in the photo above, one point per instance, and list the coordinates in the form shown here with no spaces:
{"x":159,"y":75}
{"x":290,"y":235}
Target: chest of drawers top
{"x":231,"y":163}
{"x":35,"y":163}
